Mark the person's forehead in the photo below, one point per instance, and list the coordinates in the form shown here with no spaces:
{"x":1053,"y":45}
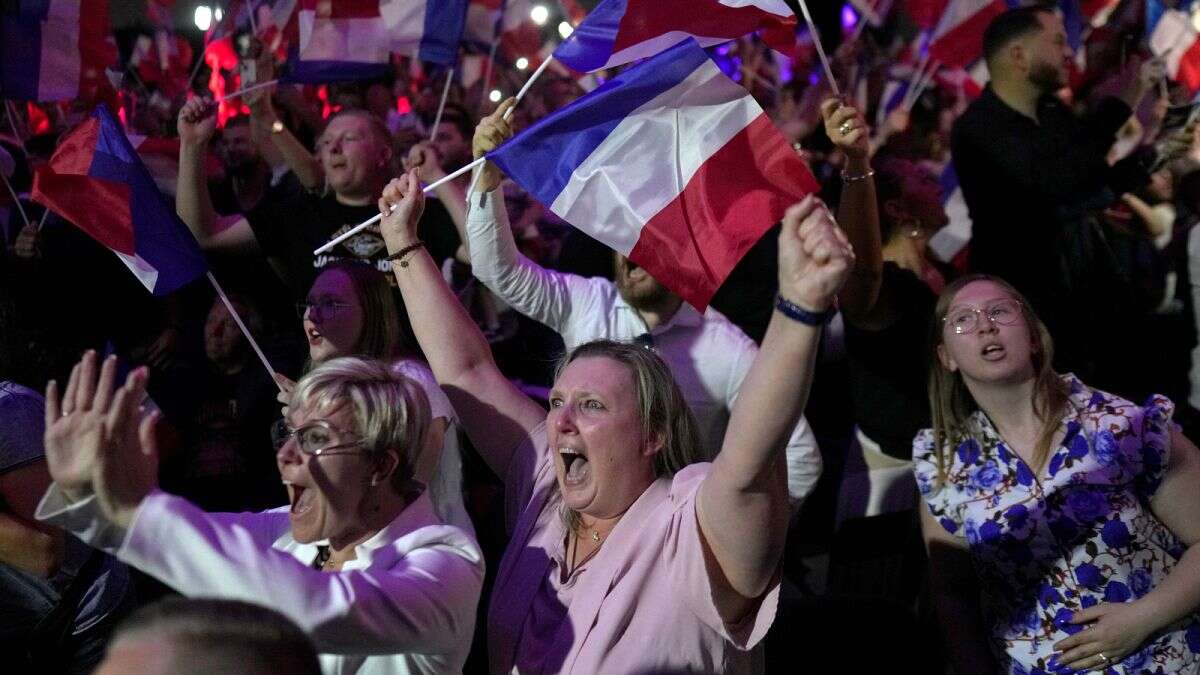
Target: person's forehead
{"x":344,"y":124}
{"x":979,"y":293}
{"x":332,"y":281}
{"x":596,"y":374}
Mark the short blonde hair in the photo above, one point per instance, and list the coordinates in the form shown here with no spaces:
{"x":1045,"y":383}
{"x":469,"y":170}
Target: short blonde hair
{"x":390,"y":411}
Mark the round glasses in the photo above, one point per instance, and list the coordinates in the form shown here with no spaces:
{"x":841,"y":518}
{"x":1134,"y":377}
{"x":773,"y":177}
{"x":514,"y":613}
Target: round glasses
{"x":313,"y":439}
{"x":963,"y":320}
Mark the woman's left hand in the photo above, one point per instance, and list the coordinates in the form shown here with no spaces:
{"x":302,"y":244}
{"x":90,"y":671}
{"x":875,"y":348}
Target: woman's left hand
{"x":1114,"y":629}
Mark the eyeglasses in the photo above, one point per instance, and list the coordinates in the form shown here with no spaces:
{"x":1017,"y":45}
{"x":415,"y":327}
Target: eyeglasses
{"x":321,"y":309}
{"x":963,"y":320}
{"x":314,"y":439}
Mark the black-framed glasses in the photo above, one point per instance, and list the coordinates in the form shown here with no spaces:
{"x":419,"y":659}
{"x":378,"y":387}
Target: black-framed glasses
{"x":963,"y":320}
{"x":314,"y":439}
{"x":321,"y":309}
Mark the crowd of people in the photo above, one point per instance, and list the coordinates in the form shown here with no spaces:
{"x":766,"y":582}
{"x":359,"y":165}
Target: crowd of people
{"x":487,"y":443}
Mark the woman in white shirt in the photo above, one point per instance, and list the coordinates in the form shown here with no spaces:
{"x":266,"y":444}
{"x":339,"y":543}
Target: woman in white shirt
{"x":359,"y":560}
{"x":351,"y":310}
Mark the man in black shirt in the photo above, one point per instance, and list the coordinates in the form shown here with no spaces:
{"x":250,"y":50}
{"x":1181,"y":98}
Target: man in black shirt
{"x":355,"y":154}
{"x":1030,"y":170}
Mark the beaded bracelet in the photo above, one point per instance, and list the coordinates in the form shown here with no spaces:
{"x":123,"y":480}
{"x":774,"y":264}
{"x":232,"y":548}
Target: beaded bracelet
{"x":403,"y":252}
{"x":848,"y":179}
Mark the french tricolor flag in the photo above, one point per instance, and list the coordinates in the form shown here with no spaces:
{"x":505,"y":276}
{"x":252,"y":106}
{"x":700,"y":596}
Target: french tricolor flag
{"x":670,"y":163}
{"x":1176,"y":42}
{"x":354,"y":39}
{"x":96,"y":181}
{"x":957,"y":40}
{"x":617,"y":32}
{"x":53,"y":50}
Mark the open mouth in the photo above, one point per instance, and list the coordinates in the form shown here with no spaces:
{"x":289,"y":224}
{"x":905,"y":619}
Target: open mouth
{"x":575,"y":466}
{"x":302,"y":499}
{"x":993,"y":352}
{"x":314,"y":336}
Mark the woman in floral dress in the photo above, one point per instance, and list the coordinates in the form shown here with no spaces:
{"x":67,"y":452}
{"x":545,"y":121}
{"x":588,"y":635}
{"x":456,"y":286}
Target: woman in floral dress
{"x":1063,"y":521}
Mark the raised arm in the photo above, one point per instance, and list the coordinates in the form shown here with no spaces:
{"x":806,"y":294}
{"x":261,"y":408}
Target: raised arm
{"x":540,"y":294}
{"x":742,"y":505}
{"x":858,"y":215}
{"x":196,"y":124}
{"x":495,"y":414}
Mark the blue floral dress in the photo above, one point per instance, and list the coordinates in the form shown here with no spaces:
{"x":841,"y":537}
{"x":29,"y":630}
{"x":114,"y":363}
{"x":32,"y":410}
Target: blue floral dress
{"x":1078,"y":534}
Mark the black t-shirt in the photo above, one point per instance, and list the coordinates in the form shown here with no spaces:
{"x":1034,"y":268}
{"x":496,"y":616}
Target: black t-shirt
{"x":888,"y":367}
{"x":289,"y":231}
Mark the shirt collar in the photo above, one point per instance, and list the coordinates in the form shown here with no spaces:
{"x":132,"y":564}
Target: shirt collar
{"x":686,"y":316}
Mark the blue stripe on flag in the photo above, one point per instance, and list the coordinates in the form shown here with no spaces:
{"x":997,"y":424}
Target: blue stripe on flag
{"x":445,"y":21}
{"x":20,"y":57}
{"x":589,"y":47}
{"x":544,"y":156}
{"x":34,"y":9}
{"x":320,"y":72}
{"x":949,"y":182}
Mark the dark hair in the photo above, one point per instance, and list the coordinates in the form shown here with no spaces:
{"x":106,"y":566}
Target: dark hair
{"x":207,"y":635}
{"x":1011,"y":25}
{"x":457,"y":115}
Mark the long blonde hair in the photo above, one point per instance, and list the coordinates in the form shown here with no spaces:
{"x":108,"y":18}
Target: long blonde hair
{"x":951,"y":403}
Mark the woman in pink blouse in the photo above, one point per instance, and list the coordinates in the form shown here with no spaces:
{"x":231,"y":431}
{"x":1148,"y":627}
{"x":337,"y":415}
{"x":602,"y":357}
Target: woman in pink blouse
{"x":626,"y":557}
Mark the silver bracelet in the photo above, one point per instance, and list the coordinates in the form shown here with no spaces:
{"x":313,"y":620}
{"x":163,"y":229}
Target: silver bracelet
{"x":848,"y":179}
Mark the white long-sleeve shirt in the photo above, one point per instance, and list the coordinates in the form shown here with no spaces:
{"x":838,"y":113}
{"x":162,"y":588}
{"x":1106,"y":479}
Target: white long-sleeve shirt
{"x":405,"y":604}
{"x":708,"y":355}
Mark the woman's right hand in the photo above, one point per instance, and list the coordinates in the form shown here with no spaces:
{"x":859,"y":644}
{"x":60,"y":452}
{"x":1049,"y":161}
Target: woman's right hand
{"x":401,"y":205}
{"x":197,"y":122}
{"x":87,"y":418}
{"x":847,"y":128}
{"x":491,"y":133}
{"x":286,"y":386}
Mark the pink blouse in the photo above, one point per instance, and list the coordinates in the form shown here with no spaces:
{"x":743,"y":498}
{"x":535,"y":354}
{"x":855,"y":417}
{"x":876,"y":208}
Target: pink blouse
{"x":643,"y":603}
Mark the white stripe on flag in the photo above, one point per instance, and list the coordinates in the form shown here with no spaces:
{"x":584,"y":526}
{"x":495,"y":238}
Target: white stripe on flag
{"x":404,"y":23}
{"x":60,"y":66}
{"x":773,"y":6}
{"x":656,"y":45}
{"x":681,"y":127}
{"x":356,"y":40}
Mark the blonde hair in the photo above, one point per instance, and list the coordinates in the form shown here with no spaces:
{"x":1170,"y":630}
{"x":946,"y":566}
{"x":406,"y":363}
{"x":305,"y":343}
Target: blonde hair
{"x":390,"y":411}
{"x":951,"y":403}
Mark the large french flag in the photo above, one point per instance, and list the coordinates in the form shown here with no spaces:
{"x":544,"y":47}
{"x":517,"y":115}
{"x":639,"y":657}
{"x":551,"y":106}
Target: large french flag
{"x":957,"y":40}
{"x":96,"y":180}
{"x":354,"y":39}
{"x":1176,"y":42}
{"x":670,"y":163}
{"x":53,"y":50}
{"x":617,"y":32}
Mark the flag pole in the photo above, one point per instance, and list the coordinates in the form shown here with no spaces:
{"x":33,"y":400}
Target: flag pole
{"x":812,"y":29}
{"x":508,"y":113}
{"x":327,"y":246}
{"x":247,"y":90}
{"x":245,"y":331}
{"x":437,"y":119}
{"x":487,"y":72}
{"x":922,"y":84}
{"x":11,"y":115}
{"x":253,"y":22}
{"x":15,"y":198}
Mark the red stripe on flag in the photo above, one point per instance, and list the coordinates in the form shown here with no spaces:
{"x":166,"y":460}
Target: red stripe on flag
{"x":646,"y":19}
{"x":1189,"y":67}
{"x":693,"y":244}
{"x":962,"y":45}
{"x":348,"y":9}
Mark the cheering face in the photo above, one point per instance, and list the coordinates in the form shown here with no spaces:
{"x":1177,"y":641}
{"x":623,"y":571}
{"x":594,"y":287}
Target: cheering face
{"x":327,"y":490}
{"x":996,"y":342}
{"x":602,"y":462}
{"x":352,"y":155}
{"x":452,"y":146}
{"x":333,"y":322}
{"x":635,"y":284}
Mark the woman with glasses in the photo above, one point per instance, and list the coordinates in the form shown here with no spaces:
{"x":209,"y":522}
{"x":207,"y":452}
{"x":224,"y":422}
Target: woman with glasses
{"x":1062,"y":521}
{"x":351,"y":310}
{"x":359,"y":560}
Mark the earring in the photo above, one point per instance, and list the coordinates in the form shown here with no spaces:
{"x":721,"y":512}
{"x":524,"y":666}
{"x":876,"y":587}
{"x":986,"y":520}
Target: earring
{"x":374,"y":480}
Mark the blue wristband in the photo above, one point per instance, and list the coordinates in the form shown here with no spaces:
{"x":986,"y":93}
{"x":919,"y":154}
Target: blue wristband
{"x":797,"y":313}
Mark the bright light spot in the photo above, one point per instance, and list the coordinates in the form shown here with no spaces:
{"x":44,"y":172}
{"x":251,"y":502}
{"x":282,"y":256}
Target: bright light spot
{"x":203,"y":17}
{"x":539,"y":14}
{"x":1196,"y":17}
{"x":218,"y":14}
{"x":522,"y":63}
{"x":565,"y":29}
{"x":849,"y":17}
{"x":495,"y":96}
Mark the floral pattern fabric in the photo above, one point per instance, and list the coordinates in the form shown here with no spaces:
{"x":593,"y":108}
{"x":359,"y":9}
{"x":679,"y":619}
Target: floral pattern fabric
{"x":1079,"y":533}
